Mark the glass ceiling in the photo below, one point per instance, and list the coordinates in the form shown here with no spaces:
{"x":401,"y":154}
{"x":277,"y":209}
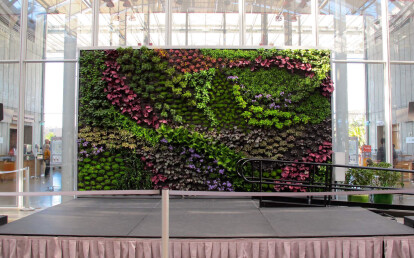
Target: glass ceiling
{"x":203,"y":22}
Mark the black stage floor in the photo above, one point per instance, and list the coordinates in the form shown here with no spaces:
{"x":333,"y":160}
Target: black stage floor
{"x":200,"y":218}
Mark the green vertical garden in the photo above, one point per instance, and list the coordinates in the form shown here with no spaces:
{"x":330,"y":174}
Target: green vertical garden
{"x":182,"y":118}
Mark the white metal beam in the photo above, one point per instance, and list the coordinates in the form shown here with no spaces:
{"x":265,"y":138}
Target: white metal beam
{"x":22,"y":94}
{"x":387,"y":80}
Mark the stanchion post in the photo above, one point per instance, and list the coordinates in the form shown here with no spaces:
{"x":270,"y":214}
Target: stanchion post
{"x":20,"y":185}
{"x":165,"y":222}
{"x":27,"y":189}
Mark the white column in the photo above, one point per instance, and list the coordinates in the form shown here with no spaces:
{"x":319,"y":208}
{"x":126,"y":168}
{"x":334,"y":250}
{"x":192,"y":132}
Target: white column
{"x":168,"y":23}
{"x":315,"y":17}
{"x":340,"y":136}
{"x":387,"y":80}
{"x":242,"y":22}
{"x":95,"y":22}
{"x":22,"y":95}
{"x":69,"y":169}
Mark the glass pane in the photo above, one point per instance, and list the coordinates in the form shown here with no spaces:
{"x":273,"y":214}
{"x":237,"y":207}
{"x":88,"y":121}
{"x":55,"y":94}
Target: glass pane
{"x":358,"y":111}
{"x":9,"y":29}
{"x":351,"y":28}
{"x":131,"y":23}
{"x":204,"y":23}
{"x":43,"y":129}
{"x":376,"y":112}
{"x":403,"y":117}
{"x":401,"y":30}
{"x":278,"y":23}
{"x":56,"y":28}
{"x":9,"y":97}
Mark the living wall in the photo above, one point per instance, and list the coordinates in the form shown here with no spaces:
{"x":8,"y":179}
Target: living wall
{"x":182,"y":118}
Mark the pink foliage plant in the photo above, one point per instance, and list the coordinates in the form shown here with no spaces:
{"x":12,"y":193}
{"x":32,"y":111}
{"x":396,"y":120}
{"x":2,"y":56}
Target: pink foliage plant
{"x":122,"y":96}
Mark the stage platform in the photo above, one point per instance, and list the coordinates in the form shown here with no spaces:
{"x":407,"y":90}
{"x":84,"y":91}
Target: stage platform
{"x":200,"y":218}
{"x":207,"y":222}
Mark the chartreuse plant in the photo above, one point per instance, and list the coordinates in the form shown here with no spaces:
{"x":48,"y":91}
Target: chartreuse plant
{"x":268,"y":100}
{"x":109,"y":138}
{"x":201,"y":82}
{"x":222,"y":103}
{"x":225,"y":156}
{"x":99,"y":169}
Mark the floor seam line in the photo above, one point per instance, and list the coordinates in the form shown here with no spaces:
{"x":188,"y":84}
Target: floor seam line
{"x":155,"y":206}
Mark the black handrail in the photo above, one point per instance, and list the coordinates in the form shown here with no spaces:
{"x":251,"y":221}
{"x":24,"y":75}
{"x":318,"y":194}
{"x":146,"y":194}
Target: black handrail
{"x":309,"y":183}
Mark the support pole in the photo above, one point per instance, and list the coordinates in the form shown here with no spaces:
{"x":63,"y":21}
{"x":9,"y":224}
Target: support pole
{"x":95,"y":23}
{"x":242,"y":22}
{"x":168,"y":23}
{"x":387,"y":81}
{"x":315,"y":21}
{"x":22,"y":96}
{"x":165,"y":222}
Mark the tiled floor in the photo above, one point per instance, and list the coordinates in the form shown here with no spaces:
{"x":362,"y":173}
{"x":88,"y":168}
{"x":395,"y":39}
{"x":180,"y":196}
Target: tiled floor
{"x":8,"y":205}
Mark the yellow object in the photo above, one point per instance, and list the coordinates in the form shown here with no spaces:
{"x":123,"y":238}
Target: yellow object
{"x":46,"y":154}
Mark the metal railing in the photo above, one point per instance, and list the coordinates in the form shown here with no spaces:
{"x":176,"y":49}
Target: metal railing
{"x":319,"y":178}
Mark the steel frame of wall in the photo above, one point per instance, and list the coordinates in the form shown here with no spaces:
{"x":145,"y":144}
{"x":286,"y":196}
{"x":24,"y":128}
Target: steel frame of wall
{"x":22,"y":61}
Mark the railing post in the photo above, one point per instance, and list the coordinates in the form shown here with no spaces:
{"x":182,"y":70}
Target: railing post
{"x":330,"y":183}
{"x":165,"y":222}
{"x":260,"y":184}
{"x":325,"y":199}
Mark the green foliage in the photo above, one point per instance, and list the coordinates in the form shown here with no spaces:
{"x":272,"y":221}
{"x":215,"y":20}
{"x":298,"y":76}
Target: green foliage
{"x":319,"y":59}
{"x":357,"y":129}
{"x":316,"y":108}
{"x":278,"y":99}
{"x":224,"y":155}
{"x":372,"y":177}
{"x":385,"y":178}
{"x":135,"y":177}
{"x":94,"y":108}
{"x":50,"y":135}
{"x":201,"y":82}
{"x":356,"y":176}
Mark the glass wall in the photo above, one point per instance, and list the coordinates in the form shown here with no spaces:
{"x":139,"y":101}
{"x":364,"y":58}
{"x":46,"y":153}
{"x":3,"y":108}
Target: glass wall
{"x":279,"y":23}
{"x":132,"y":23}
{"x":353,"y":30}
{"x":58,"y":26}
{"x":205,"y":23}
{"x":9,"y":29}
{"x":9,"y":97}
{"x":401,"y":26}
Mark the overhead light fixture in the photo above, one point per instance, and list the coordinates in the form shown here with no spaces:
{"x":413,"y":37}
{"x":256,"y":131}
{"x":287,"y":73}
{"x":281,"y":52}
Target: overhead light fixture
{"x":110,"y":4}
{"x":127,"y":4}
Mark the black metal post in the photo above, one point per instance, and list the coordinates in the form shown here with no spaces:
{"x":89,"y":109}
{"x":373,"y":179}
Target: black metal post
{"x":260,"y":183}
{"x":330,"y":183}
